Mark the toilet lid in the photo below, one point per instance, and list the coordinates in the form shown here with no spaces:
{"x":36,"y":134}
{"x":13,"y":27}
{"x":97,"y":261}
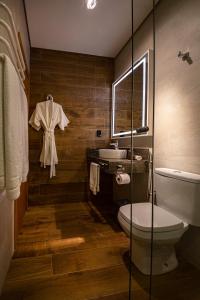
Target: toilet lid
{"x":141,"y":217}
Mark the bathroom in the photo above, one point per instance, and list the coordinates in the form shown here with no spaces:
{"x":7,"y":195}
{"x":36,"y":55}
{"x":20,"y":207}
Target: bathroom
{"x":117,"y":216}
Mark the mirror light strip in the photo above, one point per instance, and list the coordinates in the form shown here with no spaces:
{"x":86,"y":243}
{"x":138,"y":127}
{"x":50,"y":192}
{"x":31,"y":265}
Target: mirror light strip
{"x":143,"y":61}
{"x":144,"y":93}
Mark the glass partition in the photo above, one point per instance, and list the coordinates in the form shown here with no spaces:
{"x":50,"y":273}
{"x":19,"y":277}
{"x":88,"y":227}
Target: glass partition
{"x":141,"y":232}
{"x":176,"y":236}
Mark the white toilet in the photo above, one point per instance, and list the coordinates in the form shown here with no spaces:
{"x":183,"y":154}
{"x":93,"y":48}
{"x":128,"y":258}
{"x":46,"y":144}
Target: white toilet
{"x":178,"y":204}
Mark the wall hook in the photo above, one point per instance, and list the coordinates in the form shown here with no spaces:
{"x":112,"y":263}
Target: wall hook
{"x":50,"y":97}
{"x":185,"y":56}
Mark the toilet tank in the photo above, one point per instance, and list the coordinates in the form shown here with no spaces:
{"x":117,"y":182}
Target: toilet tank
{"x":179,"y":193}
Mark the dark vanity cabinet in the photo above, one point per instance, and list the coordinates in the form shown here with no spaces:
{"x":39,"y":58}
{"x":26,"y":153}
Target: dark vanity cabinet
{"x":110,"y":191}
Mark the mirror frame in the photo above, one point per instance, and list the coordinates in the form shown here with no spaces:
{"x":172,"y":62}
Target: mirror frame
{"x":144,"y":59}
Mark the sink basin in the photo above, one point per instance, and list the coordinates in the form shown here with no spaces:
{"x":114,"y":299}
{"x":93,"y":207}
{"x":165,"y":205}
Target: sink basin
{"x":112,"y":153}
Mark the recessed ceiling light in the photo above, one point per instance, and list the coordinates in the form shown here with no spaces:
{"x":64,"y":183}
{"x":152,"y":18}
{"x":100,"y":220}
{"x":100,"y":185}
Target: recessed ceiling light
{"x":91,"y":4}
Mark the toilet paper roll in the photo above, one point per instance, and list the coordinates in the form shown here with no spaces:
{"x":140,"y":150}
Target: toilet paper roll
{"x":138,"y":157}
{"x":123,"y":178}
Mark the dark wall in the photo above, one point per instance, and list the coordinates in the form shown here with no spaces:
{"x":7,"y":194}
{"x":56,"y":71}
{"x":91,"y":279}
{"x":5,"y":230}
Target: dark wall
{"x":82,"y":85}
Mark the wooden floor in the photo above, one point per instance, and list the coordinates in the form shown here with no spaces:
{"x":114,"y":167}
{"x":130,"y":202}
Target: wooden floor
{"x":72,"y":252}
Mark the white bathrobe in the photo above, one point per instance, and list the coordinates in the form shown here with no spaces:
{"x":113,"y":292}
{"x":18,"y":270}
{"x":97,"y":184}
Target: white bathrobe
{"x":48,"y":115}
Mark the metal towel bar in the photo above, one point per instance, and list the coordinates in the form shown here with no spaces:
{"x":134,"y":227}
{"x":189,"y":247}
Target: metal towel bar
{"x":16,"y":54}
{"x":12,"y":32}
{"x":6,"y":43}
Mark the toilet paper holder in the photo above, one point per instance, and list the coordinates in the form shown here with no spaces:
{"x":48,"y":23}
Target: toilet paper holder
{"x":120,"y":169}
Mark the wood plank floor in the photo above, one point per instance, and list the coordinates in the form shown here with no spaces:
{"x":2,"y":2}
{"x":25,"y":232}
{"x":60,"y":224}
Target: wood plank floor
{"x":71,"y":252}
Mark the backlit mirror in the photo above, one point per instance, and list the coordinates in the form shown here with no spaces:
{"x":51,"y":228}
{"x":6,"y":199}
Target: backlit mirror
{"x":122,"y":98}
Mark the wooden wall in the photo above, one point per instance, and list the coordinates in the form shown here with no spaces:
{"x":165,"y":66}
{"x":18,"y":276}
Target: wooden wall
{"x":82,"y":85}
{"x":20,"y":208}
{"x":123,"y":99}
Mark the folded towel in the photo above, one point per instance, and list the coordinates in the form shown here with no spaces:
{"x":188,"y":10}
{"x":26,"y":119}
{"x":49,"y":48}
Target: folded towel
{"x":94,"y":178}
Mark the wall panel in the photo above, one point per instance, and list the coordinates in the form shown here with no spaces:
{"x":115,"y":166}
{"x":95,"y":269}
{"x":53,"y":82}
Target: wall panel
{"x":82,"y":85}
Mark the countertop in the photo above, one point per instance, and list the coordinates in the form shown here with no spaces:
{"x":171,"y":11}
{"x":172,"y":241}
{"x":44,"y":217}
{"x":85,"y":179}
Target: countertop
{"x":110,"y":165}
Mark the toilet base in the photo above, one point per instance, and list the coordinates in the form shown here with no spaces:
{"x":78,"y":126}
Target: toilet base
{"x":164,"y":257}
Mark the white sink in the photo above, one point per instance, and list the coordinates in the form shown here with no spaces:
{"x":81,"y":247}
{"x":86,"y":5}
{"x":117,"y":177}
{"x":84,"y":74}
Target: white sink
{"x":112,"y":153}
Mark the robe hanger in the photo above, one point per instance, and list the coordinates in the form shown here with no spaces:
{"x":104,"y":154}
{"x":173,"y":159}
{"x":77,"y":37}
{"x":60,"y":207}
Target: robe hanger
{"x":50,"y":97}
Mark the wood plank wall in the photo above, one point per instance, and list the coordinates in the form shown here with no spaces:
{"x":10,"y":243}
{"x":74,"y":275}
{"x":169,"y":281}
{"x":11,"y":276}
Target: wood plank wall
{"x":82,"y":85}
{"x":20,"y":209}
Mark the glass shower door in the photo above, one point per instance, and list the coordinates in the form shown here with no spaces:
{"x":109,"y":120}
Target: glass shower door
{"x":177,"y":124}
{"x":142,"y":144}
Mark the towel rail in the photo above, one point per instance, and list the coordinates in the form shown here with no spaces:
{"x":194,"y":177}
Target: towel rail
{"x":14,"y":36}
{"x":10,"y":15}
{"x":10,"y":34}
{"x":13,"y":59}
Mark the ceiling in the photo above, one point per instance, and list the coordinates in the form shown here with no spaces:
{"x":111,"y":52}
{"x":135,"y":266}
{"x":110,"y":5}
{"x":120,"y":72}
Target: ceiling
{"x":68,"y":25}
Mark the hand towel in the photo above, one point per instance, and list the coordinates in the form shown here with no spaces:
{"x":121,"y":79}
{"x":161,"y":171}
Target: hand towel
{"x":94,"y":178}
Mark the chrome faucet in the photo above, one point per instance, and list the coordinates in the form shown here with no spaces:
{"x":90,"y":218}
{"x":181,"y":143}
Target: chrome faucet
{"x":114,"y":145}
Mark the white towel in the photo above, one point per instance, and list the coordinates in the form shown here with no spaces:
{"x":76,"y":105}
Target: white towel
{"x":2,"y":167}
{"x":94,"y":178}
{"x":13,"y":134}
{"x":24,"y":135}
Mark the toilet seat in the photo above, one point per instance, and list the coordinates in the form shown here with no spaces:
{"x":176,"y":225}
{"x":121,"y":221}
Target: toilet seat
{"x":166,"y":225}
{"x":141,"y":217}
